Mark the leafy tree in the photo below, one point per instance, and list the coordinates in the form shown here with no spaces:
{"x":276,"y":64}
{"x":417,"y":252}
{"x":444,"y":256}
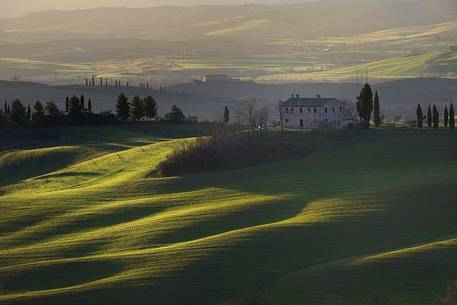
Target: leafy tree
{"x":18,"y":112}
{"x":122,"y":107}
{"x":137,"y":109}
{"x":226,"y":115}
{"x":420,"y":116}
{"x":446,"y":117}
{"x":29,"y":112}
{"x":75,"y":110}
{"x":451,"y":117}
{"x":51,"y":109}
{"x":175,"y":115}
{"x":38,"y":111}
{"x":377,"y":110}
{"x":365,"y":105}
{"x":429,"y":117}
{"x":89,"y":105}
{"x":436,"y":117}
{"x":150,"y":107}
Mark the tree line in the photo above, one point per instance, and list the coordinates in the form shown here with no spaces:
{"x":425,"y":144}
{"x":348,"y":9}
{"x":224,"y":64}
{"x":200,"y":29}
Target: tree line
{"x":105,"y":82}
{"x":432,"y":118}
{"x":79,"y":111}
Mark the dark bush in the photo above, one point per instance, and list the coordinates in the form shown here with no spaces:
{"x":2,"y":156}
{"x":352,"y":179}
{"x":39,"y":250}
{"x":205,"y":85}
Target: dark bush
{"x":232,"y":149}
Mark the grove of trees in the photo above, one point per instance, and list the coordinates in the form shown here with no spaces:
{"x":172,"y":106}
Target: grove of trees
{"x":77,"y":111}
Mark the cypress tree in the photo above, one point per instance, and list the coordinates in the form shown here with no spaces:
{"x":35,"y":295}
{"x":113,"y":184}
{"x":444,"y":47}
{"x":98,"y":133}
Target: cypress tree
{"x":420,"y":116}
{"x":6,"y":108}
{"x":122,"y":107}
{"x":67,"y":105}
{"x":137,"y":109}
{"x":2,"y":118}
{"x":446,"y":117}
{"x":226,"y":115}
{"x":451,"y":117}
{"x":38,"y":111}
{"x":436,"y":117}
{"x":29,"y":112}
{"x":429,"y":117}
{"x":93,"y":80}
{"x":89,"y":105}
{"x":87,"y":82}
{"x":150,"y":107}
{"x":83,"y":102}
{"x":377,"y":111}
{"x":365,"y":106}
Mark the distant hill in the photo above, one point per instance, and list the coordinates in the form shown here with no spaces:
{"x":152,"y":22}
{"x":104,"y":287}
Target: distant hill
{"x":260,"y":22}
{"x":322,"y":40}
{"x":204,"y":106}
{"x":207,"y":101}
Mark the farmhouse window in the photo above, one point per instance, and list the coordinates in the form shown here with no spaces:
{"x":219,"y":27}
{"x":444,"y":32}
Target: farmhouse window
{"x":326,"y":110}
{"x":301,"y":110}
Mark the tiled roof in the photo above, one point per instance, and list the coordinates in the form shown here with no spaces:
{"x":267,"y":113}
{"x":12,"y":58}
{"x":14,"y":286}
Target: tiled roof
{"x":307,"y":102}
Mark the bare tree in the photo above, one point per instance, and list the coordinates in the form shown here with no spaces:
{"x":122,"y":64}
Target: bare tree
{"x":248,"y":109}
{"x":350,"y":107}
{"x":278,"y":112}
{"x":262,"y":115}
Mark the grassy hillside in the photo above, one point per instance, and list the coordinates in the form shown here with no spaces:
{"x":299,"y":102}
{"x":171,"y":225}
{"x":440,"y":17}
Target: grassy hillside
{"x":104,"y":231}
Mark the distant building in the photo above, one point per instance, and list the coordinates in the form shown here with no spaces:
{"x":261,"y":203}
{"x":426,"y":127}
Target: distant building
{"x":316,"y":112}
{"x":216,"y":78}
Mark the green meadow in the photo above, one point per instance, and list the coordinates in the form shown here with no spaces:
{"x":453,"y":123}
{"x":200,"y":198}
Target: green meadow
{"x":84,"y":221}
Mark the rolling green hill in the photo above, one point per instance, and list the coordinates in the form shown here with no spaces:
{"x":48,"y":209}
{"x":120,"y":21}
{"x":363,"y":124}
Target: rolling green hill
{"x":103,"y":231}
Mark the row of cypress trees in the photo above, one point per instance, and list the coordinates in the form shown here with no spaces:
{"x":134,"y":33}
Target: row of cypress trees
{"x":433,"y":117}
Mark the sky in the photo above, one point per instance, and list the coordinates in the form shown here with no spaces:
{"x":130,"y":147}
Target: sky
{"x":14,"y":8}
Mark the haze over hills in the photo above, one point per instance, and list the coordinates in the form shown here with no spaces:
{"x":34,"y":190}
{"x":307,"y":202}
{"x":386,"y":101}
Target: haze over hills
{"x":15,"y":8}
{"x":321,"y":40}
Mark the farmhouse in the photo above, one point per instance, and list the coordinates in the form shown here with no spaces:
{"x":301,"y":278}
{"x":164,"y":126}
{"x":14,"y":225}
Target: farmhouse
{"x":216,"y":78}
{"x":298,"y":112}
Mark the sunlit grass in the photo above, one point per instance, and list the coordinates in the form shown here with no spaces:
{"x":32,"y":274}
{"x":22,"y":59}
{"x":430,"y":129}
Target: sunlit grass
{"x":285,"y":228}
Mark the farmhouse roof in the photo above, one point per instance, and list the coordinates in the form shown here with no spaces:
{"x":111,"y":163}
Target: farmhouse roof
{"x":297,"y":101}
